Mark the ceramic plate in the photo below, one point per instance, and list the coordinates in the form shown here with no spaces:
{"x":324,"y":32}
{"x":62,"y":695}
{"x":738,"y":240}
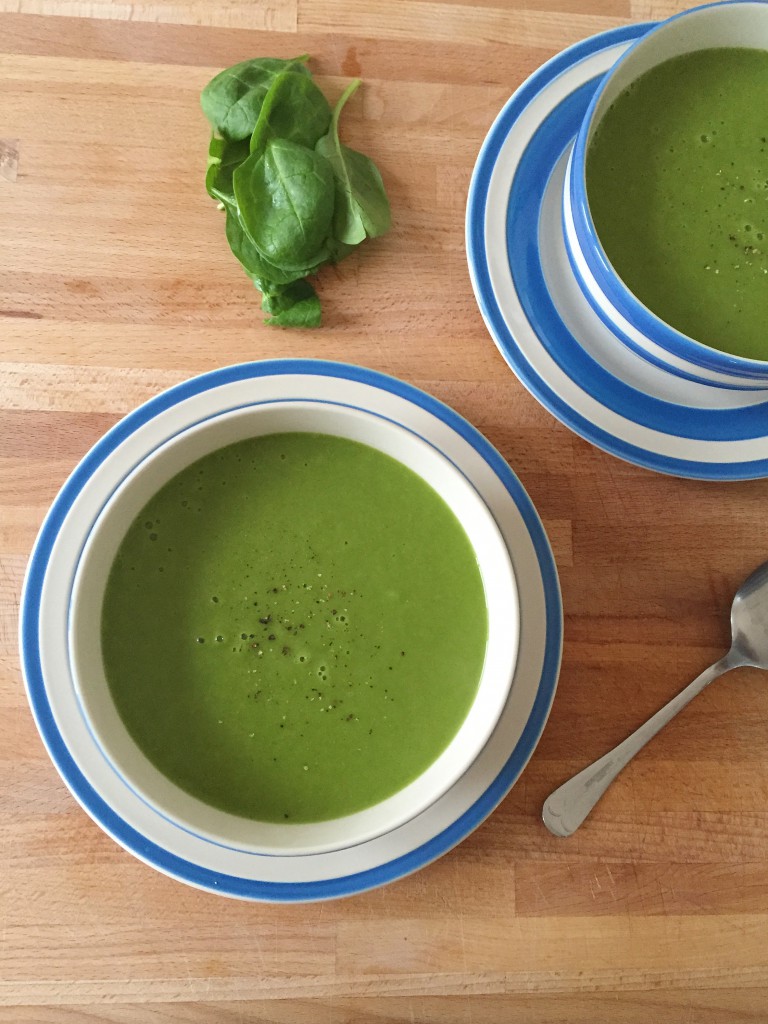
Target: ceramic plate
{"x":542,"y":324}
{"x":189,"y":857}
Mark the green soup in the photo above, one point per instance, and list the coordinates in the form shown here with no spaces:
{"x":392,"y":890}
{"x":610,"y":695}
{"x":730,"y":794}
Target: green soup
{"x":294,"y":627}
{"x":677,"y":182}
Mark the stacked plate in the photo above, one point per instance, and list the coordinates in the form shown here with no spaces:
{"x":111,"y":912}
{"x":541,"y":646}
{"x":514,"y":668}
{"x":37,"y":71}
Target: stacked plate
{"x":539,"y":317}
{"x":47,"y":644}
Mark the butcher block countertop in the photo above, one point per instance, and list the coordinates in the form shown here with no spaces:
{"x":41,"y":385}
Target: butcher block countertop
{"x":116,"y":283}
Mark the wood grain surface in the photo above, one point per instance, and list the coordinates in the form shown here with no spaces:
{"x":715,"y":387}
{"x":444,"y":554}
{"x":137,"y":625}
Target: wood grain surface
{"x":115,"y":282}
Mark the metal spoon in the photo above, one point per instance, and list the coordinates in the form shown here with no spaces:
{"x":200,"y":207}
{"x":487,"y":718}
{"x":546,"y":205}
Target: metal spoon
{"x":569,"y":805}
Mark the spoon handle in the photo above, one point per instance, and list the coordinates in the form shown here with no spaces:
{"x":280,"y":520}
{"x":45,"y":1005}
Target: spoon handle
{"x":569,"y":805}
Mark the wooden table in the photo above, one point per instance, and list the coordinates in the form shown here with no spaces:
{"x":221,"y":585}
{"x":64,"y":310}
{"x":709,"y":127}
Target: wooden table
{"x":115,"y":282}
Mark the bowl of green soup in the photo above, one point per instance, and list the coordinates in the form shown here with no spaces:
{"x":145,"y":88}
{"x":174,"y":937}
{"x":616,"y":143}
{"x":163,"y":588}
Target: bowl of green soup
{"x":665,"y":204}
{"x":293,"y":626}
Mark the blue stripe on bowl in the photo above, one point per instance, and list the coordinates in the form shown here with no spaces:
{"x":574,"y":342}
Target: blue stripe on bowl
{"x":186,"y":870}
{"x":544,"y":150}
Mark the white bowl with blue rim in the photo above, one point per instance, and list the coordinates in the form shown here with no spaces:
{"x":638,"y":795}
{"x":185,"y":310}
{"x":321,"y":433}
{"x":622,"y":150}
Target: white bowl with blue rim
{"x":732,"y":24}
{"x":144,"y":473}
{"x":60,"y":655}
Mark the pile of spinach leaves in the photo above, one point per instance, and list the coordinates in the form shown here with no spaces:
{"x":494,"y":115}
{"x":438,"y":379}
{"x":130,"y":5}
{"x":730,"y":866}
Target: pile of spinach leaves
{"x":294,"y":196}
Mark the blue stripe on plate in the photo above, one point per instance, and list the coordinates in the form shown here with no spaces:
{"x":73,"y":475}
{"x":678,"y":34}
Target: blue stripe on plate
{"x":229,"y":884}
{"x":541,"y":155}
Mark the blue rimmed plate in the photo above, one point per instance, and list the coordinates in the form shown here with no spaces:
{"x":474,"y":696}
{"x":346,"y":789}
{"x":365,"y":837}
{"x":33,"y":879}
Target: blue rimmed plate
{"x":543,"y":325}
{"x":189,"y":857}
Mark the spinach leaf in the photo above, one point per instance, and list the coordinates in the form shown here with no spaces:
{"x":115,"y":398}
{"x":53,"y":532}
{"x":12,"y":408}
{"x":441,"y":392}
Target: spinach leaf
{"x":294,"y":109}
{"x":338,"y":251}
{"x":286,"y":199}
{"x":362,"y":207}
{"x":294,"y":305}
{"x":232,"y":100}
{"x":295,"y":197}
{"x":223,"y":158}
{"x":254,"y":264}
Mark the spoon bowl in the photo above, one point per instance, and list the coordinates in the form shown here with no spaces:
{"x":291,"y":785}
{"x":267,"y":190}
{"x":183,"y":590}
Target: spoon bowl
{"x":749,"y":619}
